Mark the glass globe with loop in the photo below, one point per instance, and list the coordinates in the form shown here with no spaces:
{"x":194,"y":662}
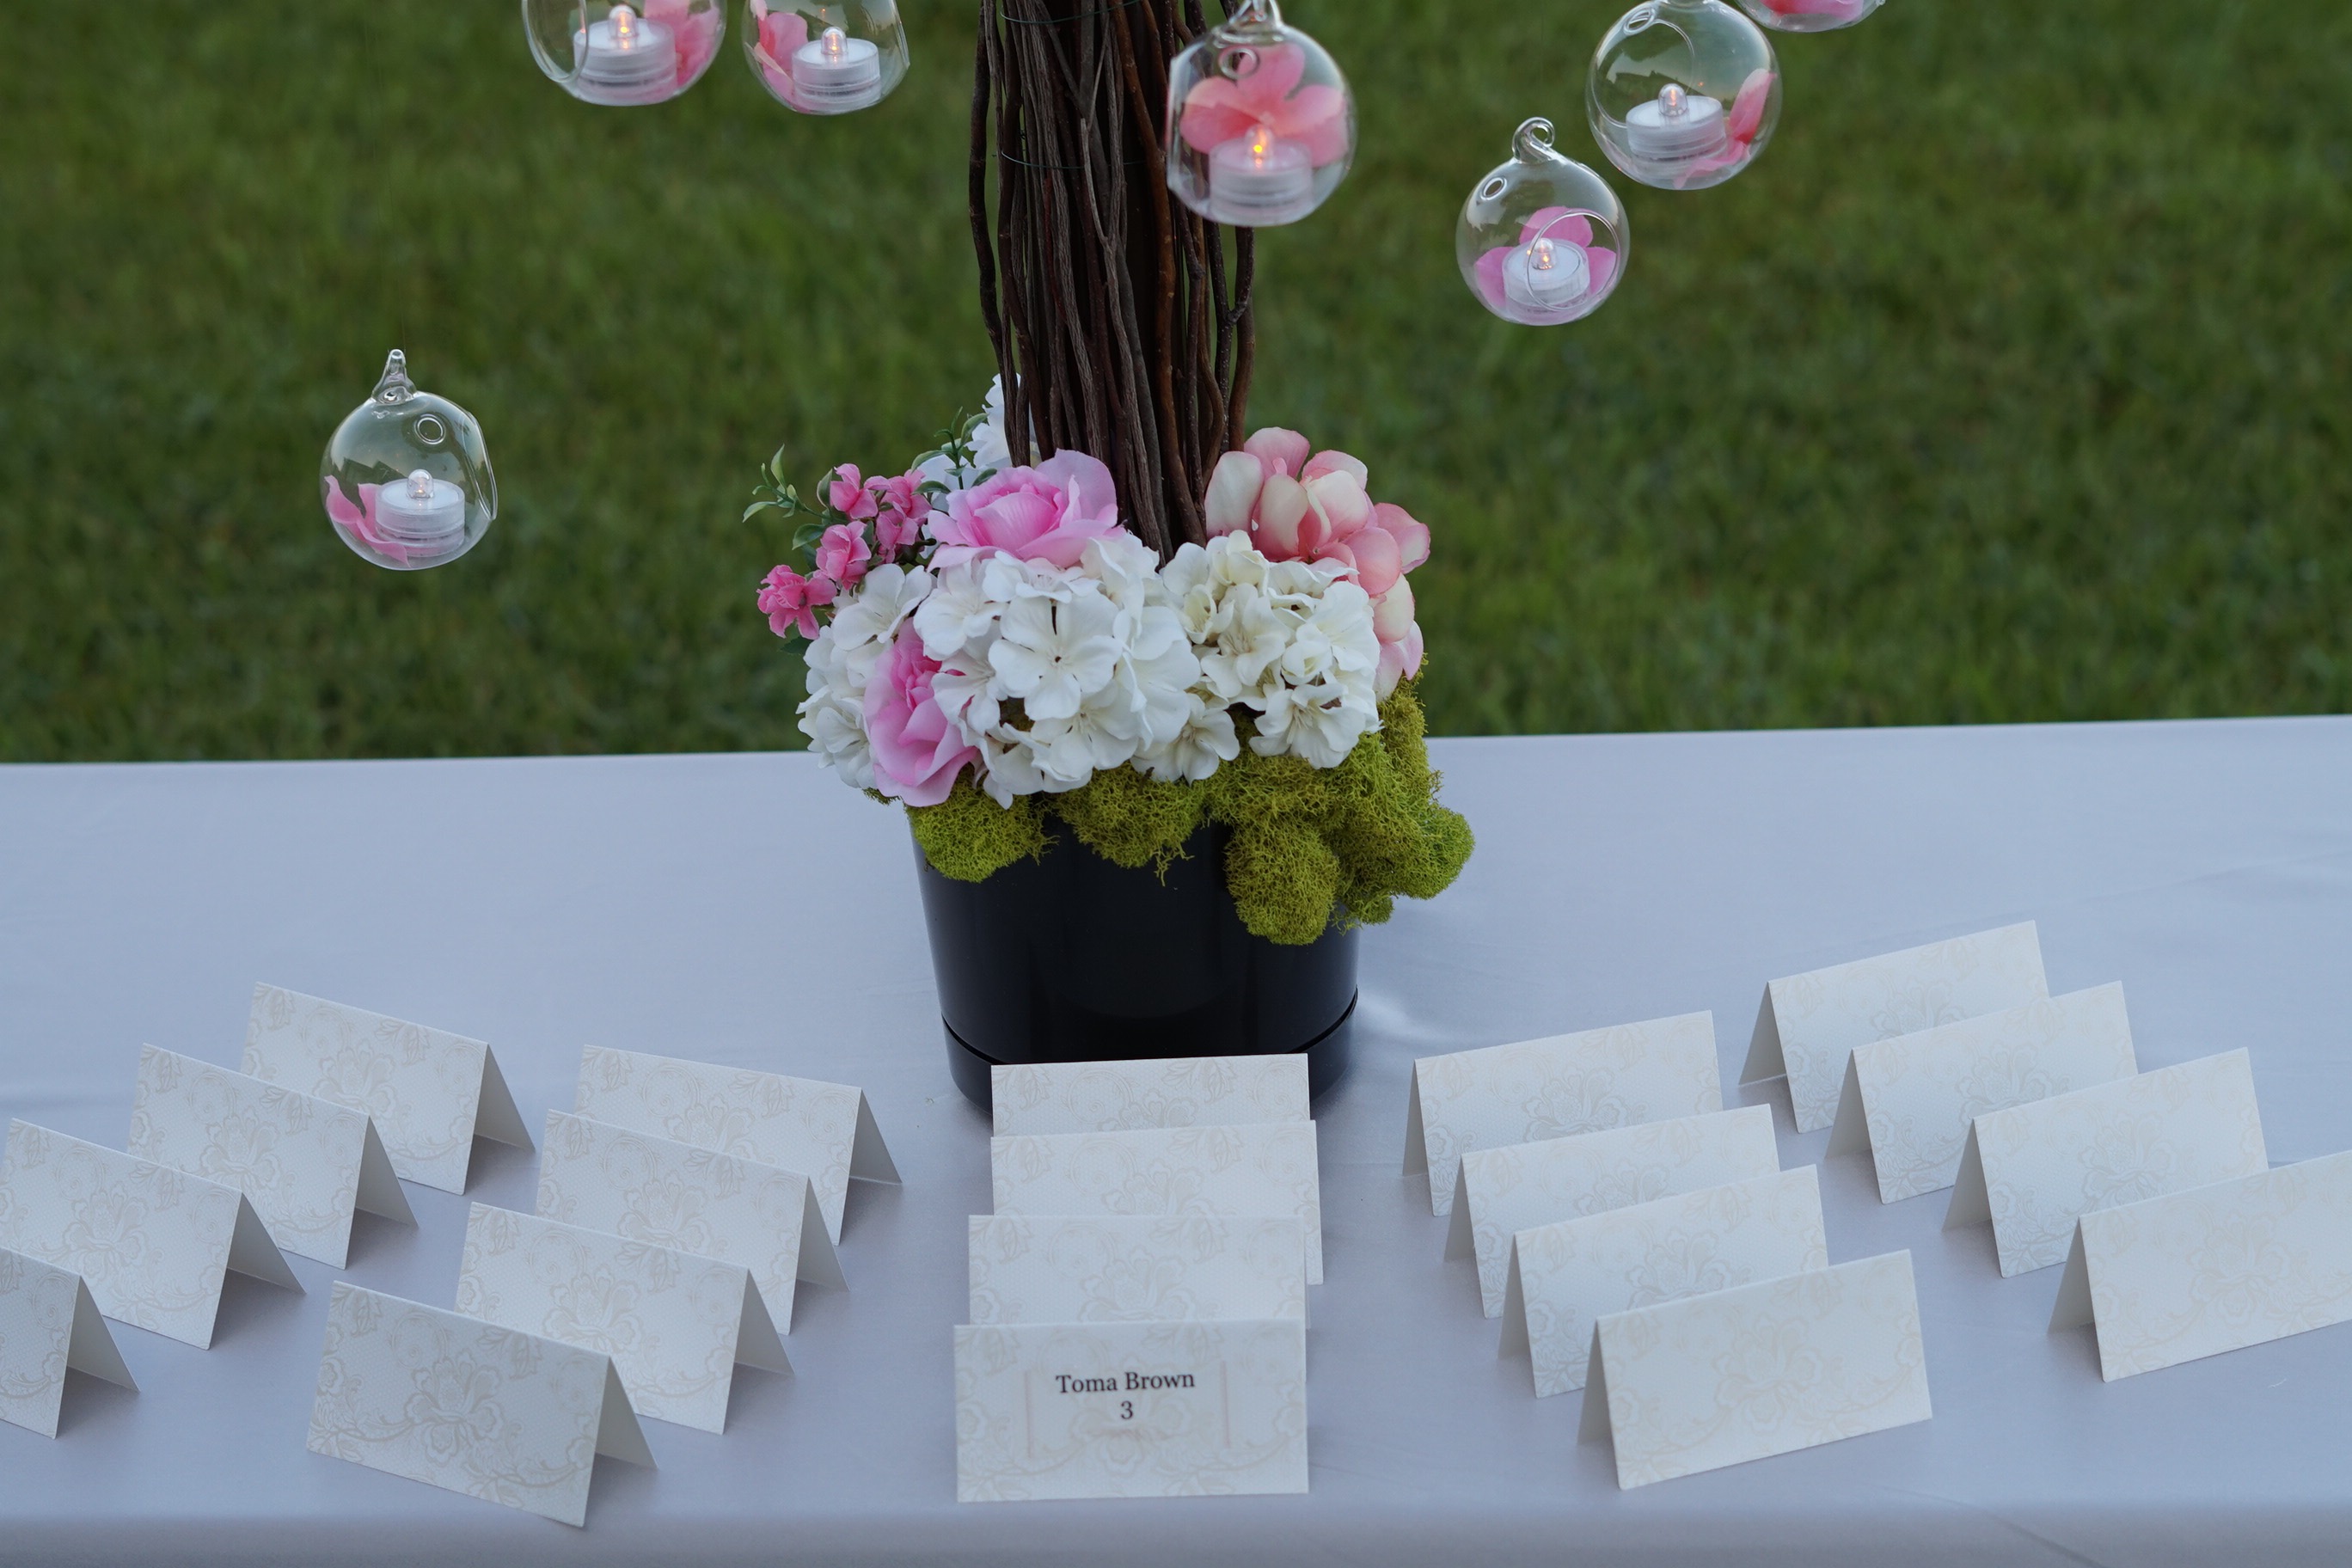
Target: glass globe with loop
{"x":1809,"y":16}
{"x":1261,"y":126}
{"x":626,"y":53}
{"x":1683,"y":94}
{"x":407,"y":481}
{"x":1542,"y":240}
{"x":830,"y":58}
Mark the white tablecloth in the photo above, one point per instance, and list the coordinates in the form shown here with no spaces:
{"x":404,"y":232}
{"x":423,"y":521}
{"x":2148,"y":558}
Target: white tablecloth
{"x":750,"y":909}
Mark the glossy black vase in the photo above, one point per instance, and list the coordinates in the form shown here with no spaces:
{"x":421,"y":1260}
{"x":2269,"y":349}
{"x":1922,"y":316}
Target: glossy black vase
{"x":1070,"y":958}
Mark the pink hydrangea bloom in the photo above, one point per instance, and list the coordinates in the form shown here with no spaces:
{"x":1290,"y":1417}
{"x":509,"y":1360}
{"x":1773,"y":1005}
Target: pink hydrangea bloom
{"x":697,"y":33}
{"x":1047,"y":513}
{"x":1740,"y":123}
{"x":1561,"y":226}
{"x":1219,"y":110}
{"x":916,"y":752}
{"x":790,"y":601}
{"x":842,"y":553}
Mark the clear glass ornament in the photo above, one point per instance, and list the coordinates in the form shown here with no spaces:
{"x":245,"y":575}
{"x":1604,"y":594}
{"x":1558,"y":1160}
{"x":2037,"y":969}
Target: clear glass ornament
{"x":830,"y":58}
{"x":1683,"y":94}
{"x":635,"y":51}
{"x":406,"y":481}
{"x":1261,"y":127}
{"x":1543,"y":240}
{"x":1809,"y":16}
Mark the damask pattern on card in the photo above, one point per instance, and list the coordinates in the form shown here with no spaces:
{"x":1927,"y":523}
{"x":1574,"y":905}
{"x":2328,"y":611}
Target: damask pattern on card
{"x":37,"y":1314}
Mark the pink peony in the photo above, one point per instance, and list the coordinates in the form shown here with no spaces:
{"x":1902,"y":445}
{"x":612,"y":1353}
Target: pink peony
{"x":785,"y":598}
{"x":1219,"y":110}
{"x":1560,"y":226}
{"x":842,"y":553}
{"x":697,"y":33}
{"x":1047,"y":513}
{"x":916,"y":752}
{"x":1740,"y":123}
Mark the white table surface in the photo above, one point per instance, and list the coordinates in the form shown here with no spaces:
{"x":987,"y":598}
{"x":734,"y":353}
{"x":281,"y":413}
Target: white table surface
{"x":750,"y":909}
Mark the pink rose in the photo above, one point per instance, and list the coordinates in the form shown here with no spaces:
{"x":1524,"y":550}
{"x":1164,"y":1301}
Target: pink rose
{"x":1047,"y":513}
{"x":785,"y":600}
{"x":916,"y":752}
{"x":842,"y":553}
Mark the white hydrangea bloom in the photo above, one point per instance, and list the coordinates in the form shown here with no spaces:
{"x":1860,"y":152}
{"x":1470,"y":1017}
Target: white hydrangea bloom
{"x":841,"y":662}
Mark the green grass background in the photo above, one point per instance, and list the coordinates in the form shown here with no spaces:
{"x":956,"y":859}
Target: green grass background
{"x":2014,"y":382}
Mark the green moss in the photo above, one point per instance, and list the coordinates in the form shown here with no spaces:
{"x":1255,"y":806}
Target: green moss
{"x":1307,"y":844}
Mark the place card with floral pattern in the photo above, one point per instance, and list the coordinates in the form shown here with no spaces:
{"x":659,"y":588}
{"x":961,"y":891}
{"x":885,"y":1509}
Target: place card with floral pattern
{"x":1808,"y":1023}
{"x":429,"y":1092}
{"x":308,"y":1164}
{"x":673,"y":1324}
{"x":1045,"y":1269}
{"x":47,"y":1324}
{"x":1505,"y":1191}
{"x":1565,"y":1276}
{"x":1555,"y":1087}
{"x":1119,"y":1097}
{"x":2034,"y":1169}
{"x":153,"y":1244}
{"x":692,"y":1200}
{"x":1758,"y":1370}
{"x":1910,"y":1100}
{"x":826,"y":1131}
{"x":469,"y":1406}
{"x":1259,"y":1169}
{"x":1122,"y":1410}
{"x":2196,"y":1273}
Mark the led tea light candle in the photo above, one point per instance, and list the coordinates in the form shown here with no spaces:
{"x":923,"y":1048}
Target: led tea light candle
{"x":835,"y":73}
{"x":1259,"y":180}
{"x":1676,"y":127}
{"x":1546,"y":275}
{"x":625,"y":59}
{"x":422,"y":512}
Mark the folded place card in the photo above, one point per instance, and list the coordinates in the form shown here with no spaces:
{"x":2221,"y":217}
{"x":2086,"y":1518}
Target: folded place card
{"x":1257,"y":1170}
{"x":469,"y":1406}
{"x":2216,"y":1269}
{"x":1565,"y":1276}
{"x":2034,"y":1169}
{"x":1910,"y":1100}
{"x":1119,"y":1097}
{"x":1808,"y":1023}
{"x":1758,"y":1370}
{"x":673,"y":1324}
{"x":1555,"y":1087}
{"x":306,"y":1163}
{"x":1106,"y":1410}
{"x":826,"y":1131}
{"x":1505,"y":1191}
{"x":153,"y":1244}
{"x":49,"y":1324}
{"x":692,"y":1200}
{"x":1134,"y":1268}
{"x":429,"y":1093}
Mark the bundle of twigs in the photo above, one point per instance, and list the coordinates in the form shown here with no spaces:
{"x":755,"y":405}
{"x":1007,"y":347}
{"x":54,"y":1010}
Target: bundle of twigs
{"x":1118,"y":326}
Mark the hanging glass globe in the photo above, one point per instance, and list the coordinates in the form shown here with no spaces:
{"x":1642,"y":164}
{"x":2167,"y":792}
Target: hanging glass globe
{"x":1261,"y":128}
{"x":407,"y":481}
{"x":1809,"y":16}
{"x":638,"y":51}
{"x":1542,"y":240}
{"x":831,"y":59}
{"x":1683,"y":94}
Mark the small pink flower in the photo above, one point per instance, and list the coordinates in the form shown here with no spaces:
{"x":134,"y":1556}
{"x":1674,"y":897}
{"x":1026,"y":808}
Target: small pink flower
{"x":846,"y":491}
{"x":1047,"y":513}
{"x":1219,"y":110}
{"x":916,"y":752}
{"x":785,"y":600}
{"x":842,"y":553}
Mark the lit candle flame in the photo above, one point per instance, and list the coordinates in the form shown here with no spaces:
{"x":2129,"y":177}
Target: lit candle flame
{"x":834,"y":43}
{"x":625,"y":27}
{"x":1261,"y":146}
{"x":1673,"y":102}
{"x":420,"y":486}
{"x":1540,"y":255}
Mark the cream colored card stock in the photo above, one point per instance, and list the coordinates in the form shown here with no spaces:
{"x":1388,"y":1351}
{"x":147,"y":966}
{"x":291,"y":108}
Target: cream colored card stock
{"x":2216,"y":1269}
{"x":1505,"y":1191}
{"x":690,"y":1200}
{"x":1808,"y":1023}
{"x":307,"y":1165}
{"x":1115,"y":1410}
{"x":430,"y":1093}
{"x":153,"y":1244}
{"x":1263,"y":1169}
{"x":1910,"y":1100}
{"x":2034,"y":1169}
{"x":1555,"y":1087}
{"x":1120,"y":1097}
{"x":673,"y":1324}
{"x":1565,"y":1276}
{"x":826,"y":1131}
{"x":1758,"y":1370}
{"x":469,"y":1406}
{"x":47,"y":1324}
{"x":1131,"y":1268}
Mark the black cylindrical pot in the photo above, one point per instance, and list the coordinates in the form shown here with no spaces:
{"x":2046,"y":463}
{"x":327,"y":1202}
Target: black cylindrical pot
{"x":1070,"y":958}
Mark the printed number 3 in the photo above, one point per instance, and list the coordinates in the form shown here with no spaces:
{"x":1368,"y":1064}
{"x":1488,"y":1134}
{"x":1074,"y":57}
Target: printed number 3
{"x":1127,"y":1409}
